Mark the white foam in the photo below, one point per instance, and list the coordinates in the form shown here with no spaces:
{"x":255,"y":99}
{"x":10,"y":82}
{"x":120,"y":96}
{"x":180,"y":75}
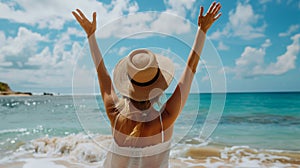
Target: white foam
{"x":74,"y":147}
{"x":88,"y":152}
{"x":38,"y":163}
{"x":235,"y":156}
{"x":82,"y":150}
{"x":13,"y":130}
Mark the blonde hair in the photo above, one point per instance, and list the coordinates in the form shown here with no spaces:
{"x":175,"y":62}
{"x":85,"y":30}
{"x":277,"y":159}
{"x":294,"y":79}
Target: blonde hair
{"x":123,"y":107}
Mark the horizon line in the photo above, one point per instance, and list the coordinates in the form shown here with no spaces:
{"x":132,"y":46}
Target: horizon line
{"x":231,"y":92}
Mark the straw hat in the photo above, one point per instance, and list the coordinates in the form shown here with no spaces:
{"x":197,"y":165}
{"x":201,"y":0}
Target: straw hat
{"x":143,"y":75}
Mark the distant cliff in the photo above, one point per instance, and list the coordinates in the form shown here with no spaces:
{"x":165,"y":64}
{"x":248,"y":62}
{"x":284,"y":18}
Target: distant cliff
{"x":4,"y":87}
{"x":6,"y":90}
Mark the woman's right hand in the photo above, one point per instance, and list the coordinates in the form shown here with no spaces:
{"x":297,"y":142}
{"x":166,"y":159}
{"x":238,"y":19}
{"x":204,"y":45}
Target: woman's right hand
{"x":205,"y":21}
{"x":89,"y":27}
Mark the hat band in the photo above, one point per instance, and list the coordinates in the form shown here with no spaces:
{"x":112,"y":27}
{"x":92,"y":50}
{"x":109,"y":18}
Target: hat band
{"x":146,"y":83}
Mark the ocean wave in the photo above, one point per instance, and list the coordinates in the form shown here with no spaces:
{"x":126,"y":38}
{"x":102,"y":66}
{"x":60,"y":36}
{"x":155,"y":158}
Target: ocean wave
{"x":79,"y":147}
{"x":17,"y":130}
{"x":238,"y":156}
{"x":261,"y":119}
{"x":80,"y":150}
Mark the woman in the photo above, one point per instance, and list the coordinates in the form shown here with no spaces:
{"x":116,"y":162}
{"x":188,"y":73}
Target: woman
{"x":141,"y":134}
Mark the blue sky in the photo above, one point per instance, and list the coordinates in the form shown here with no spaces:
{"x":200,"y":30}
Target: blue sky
{"x":254,"y":46}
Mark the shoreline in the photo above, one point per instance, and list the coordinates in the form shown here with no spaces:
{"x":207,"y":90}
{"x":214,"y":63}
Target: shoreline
{"x":205,"y":156}
{"x":98,"y":94}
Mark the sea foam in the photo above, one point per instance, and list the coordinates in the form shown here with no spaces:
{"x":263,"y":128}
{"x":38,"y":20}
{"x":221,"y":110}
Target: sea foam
{"x":80,"y":150}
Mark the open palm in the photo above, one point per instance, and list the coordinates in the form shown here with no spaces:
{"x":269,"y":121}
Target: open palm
{"x":205,"y":21}
{"x":89,"y":27}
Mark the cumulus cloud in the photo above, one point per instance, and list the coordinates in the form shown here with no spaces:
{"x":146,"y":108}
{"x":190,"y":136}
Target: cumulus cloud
{"x":47,"y":60}
{"x":243,"y":23}
{"x":15,"y":51}
{"x":164,"y":21}
{"x":286,"y":61}
{"x":24,"y":60}
{"x":3,"y":62}
{"x":251,"y":63}
{"x":54,"y":14}
{"x":146,"y":22}
{"x":179,"y":7}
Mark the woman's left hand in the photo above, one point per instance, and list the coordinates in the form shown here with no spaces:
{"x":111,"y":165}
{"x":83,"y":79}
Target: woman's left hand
{"x":204,"y":22}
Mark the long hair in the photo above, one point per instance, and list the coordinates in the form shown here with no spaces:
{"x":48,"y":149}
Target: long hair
{"x":123,"y":107}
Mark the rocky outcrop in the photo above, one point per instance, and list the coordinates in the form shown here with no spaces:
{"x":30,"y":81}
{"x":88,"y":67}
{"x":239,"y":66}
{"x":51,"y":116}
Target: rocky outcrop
{"x":6,"y":90}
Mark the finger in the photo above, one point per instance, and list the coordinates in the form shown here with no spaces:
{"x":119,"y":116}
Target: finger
{"x":78,"y":18}
{"x":217,"y":17}
{"x":216,"y":9}
{"x":94,"y":17}
{"x":212,"y":6}
{"x":81,"y":14}
{"x":201,"y":11}
{"x":94,"y":20}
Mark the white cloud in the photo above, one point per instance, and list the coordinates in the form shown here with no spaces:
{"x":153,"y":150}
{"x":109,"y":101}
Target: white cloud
{"x":243,"y":23}
{"x":44,"y":68}
{"x":292,"y":29}
{"x":146,"y":22}
{"x":266,"y":44}
{"x":2,"y":37}
{"x":22,"y":46}
{"x":2,"y":42}
{"x":142,"y":25}
{"x":251,"y":63}
{"x":123,"y":50}
{"x":205,"y":78}
{"x":55,"y":13}
{"x":119,"y":51}
{"x":295,"y":3}
{"x":126,"y":25}
{"x":167,"y":23}
{"x":30,"y":57}
{"x":222,"y":46}
{"x":179,"y":7}
{"x":264,"y":1}
{"x":75,"y":32}
{"x":286,"y":61}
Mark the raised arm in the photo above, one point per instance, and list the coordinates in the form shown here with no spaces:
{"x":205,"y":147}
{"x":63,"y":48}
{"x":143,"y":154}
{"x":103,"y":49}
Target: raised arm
{"x":107,"y":90}
{"x":177,"y":101}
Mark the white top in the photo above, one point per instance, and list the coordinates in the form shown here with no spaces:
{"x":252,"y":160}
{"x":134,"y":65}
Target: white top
{"x":131,"y":157}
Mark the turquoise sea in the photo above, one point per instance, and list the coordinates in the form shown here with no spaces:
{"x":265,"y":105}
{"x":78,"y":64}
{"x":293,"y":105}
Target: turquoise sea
{"x":255,"y":130}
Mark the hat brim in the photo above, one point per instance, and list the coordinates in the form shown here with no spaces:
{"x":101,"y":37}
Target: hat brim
{"x":142,"y":93}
